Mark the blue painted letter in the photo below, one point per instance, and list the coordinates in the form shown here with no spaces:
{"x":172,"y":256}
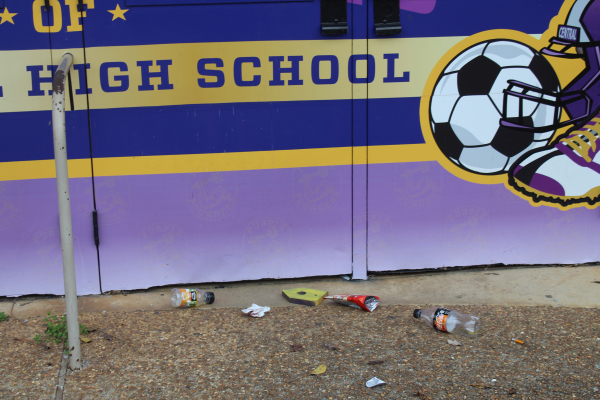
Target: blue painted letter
{"x":163,"y":74}
{"x":202,"y":63}
{"x":124,"y":79}
{"x":391,"y":70}
{"x":36,"y":79}
{"x":335,"y":70}
{"x":82,"y":78}
{"x":294,"y":70}
{"x":370,"y":68}
{"x":237,"y":71}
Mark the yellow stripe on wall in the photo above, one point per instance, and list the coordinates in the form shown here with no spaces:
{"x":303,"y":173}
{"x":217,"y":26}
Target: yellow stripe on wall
{"x":401,"y":153}
{"x":244,"y":161}
{"x":41,"y":169}
{"x":188,"y":163}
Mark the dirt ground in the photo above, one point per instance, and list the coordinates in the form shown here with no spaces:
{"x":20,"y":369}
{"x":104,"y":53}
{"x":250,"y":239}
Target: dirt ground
{"x":225,"y":354}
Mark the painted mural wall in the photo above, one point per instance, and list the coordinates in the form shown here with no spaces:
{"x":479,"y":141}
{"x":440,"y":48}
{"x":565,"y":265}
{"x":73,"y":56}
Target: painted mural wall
{"x":225,"y":141}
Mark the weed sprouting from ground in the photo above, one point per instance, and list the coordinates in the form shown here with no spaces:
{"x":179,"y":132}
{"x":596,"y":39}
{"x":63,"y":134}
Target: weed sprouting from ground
{"x":56,"y":330}
{"x":3,"y":317}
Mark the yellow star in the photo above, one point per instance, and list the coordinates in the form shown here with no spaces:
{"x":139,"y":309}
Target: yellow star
{"x":118,"y":13}
{"x":7,"y":16}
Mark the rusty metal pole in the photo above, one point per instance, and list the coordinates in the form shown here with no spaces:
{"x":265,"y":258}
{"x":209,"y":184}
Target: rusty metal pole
{"x":64,"y":208}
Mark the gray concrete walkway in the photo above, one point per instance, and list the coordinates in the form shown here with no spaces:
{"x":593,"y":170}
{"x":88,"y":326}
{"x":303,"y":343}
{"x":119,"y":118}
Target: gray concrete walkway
{"x":516,"y":286}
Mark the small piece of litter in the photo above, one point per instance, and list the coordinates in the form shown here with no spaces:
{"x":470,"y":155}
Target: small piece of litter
{"x":346,"y":277}
{"x":256,"y":311}
{"x":304,"y":296}
{"x":522,"y":333}
{"x":555,"y":299}
{"x":297,"y":347}
{"x":454,"y":342}
{"x":103,"y":311}
{"x":480,"y":386}
{"x":493,"y":380}
{"x":25,"y":321}
{"x":374,"y":382}
{"x":319,"y":370}
{"x":596,"y":389}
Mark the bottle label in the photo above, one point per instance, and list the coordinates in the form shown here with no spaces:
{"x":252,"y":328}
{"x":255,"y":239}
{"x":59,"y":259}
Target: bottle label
{"x":439,"y":319}
{"x":189,"y":297}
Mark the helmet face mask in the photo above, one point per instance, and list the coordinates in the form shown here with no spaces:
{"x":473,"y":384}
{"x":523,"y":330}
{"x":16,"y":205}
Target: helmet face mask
{"x":522,"y":93}
{"x":564,"y":51}
{"x":580,"y":39}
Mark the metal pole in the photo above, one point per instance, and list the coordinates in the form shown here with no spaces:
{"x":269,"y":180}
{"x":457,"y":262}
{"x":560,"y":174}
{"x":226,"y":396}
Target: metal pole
{"x":64,"y":208}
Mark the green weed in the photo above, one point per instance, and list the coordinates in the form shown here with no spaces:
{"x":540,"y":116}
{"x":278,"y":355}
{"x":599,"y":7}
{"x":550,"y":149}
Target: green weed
{"x":3,"y":317}
{"x":56,"y":330}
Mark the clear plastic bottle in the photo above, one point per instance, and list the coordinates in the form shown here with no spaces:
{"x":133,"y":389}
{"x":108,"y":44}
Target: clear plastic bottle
{"x":190,"y":297}
{"x":445,"y":320}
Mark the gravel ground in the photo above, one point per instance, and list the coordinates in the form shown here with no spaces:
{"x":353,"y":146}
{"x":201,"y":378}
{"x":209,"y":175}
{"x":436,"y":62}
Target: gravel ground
{"x":225,"y":354}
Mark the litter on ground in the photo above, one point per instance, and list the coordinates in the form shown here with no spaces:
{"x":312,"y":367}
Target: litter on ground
{"x":374,"y":382}
{"x":256,"y":311}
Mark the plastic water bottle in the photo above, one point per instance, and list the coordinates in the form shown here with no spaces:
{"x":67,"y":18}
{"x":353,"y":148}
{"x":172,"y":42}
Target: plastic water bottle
{"x":191,"y":297}
{"x":445,"y":320}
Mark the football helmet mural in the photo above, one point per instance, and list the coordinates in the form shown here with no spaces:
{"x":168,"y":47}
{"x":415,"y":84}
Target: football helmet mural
{"x":579,"y":37}
{"x":567,"y":171}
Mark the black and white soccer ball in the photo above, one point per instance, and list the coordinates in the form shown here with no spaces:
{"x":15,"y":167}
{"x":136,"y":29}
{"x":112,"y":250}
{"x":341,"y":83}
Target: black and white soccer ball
{"x":468,"y":101}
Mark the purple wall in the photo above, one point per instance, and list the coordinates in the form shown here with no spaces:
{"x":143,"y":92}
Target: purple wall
{"x":224,"y":226}
{"x":229,"y":226}
{"x":421,"y":216}
{"x":30,"y":238}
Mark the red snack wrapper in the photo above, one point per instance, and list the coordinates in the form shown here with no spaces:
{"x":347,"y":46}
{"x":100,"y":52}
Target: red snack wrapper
{"x":362,"y":301}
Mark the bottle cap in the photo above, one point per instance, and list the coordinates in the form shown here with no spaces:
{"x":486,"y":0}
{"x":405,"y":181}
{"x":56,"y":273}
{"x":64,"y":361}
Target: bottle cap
{"x":417,"y":313}
{"x":210,"y":297}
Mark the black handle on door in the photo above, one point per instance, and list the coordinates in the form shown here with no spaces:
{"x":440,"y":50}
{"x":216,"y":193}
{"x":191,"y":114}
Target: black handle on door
{"x":386,"y":14}
{"x":334,"y":18}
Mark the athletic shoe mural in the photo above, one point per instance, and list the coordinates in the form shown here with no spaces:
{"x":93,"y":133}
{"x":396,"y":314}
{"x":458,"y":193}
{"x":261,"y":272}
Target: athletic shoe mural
{"x":502,"y":106}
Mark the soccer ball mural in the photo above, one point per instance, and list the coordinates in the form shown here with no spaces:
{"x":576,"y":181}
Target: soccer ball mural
{"x":468,"y":102}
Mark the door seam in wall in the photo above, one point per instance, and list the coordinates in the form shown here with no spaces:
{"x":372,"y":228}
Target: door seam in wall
{"x":89,"y":121}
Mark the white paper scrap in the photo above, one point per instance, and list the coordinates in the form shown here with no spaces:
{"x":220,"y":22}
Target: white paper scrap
{"x":374,"y":382}
{"x":256,"y":311}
